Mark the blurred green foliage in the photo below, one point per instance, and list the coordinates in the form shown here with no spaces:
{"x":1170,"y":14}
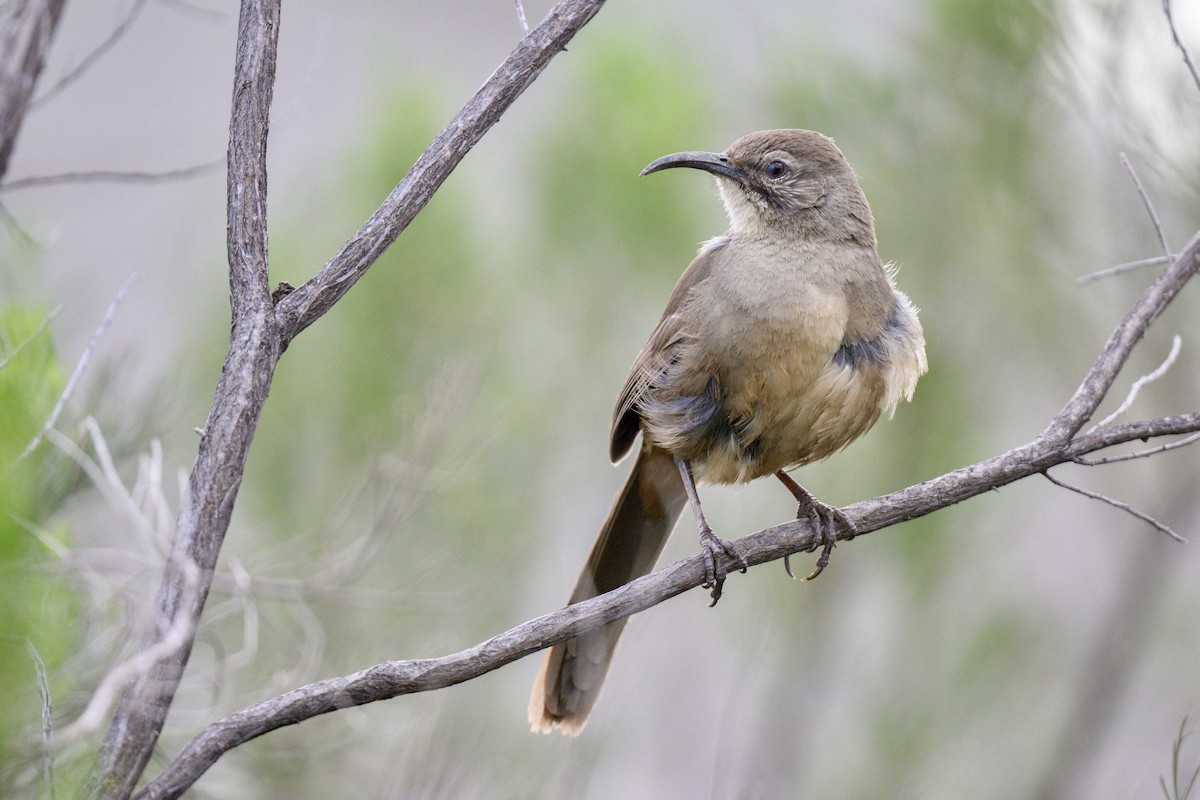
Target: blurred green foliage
{"x":37,"y":610}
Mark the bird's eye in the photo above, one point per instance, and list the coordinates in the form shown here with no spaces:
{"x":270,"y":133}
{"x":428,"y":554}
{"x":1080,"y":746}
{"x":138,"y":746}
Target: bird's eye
{"x":775,"y":169}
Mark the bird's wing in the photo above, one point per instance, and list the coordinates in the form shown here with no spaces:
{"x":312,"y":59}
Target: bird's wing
{"x":660,"y":349}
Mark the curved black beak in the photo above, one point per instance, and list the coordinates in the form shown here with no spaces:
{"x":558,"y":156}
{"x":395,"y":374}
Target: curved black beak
{"x":716,"y":163}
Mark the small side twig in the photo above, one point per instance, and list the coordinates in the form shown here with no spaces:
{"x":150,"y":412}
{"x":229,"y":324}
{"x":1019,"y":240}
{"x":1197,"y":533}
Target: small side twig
{"x":91,"y":58}
{"x":1141,"y":190}
{"x":1187,"y":59}
{"x":1128,"y":266}
{"x":521,"y":17}
{"x":112,"y":176}
{"x":77,"y":373}
{"x":1162,"y":448}
{"x":1117,"y":504}
{"x":1176,"y":343}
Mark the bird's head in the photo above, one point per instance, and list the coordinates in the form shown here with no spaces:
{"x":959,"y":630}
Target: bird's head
{"x":784,"y":181}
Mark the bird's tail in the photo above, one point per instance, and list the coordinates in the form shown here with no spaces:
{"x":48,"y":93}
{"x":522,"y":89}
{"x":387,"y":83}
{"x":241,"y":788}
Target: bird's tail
{"x":631,"y":540}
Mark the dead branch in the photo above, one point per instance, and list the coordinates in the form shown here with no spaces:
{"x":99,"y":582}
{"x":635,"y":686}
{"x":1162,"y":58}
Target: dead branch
{"x":1128,"y":509}
{"x":1058,"y":444}
{"x":1187,"y":58}
{"x":261,"y":331}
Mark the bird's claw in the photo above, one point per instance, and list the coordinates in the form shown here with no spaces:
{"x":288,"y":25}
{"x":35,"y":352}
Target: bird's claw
{"x":713,"y":547}
{"x":825,"y":520}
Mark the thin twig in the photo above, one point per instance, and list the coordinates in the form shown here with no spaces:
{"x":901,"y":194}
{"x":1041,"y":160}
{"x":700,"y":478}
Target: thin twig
{"x":47,"y":718}
{"x":1162,"y":448}
{"x":1176,"y":343}
{"x":1187,"y":59}
{"x":91,"y":58}
{"x":1099,"y":380}
{"x":80,"y":366}
{"x":521,"y":16}
{"x":112,"y":176}
{"x":36,"y":332}
{"x":1117,"y":504}
{"x":1128,"y":266}
{"x":1141,"y":190}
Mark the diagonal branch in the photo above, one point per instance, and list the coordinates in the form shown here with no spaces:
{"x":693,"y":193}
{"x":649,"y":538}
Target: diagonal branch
{"x":395,"y":678}
{"x":306,"y":304}
{"x":1187,"y":58}
{"x":1100,"y":377}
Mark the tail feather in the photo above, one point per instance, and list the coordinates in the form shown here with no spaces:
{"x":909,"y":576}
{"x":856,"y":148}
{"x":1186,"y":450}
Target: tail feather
{"x":629,"y":544}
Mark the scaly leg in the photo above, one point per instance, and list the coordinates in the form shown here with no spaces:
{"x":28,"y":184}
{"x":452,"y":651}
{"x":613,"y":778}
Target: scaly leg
{"x":712,"y":545}
{"x":824,"y":518}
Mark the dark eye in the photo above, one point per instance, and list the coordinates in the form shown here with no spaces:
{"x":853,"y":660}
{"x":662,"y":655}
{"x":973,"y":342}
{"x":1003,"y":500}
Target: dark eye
{"x":775,"y":169}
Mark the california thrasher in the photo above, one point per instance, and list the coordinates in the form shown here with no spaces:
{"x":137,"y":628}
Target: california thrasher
{"x":782,"y":342}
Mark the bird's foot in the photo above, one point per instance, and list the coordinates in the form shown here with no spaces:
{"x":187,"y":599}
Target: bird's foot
{"x":826,"y":520}
{"x":713,"y":547}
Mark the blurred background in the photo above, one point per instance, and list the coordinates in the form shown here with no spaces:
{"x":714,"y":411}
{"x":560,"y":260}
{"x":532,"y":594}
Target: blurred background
{"x":431,"y":467}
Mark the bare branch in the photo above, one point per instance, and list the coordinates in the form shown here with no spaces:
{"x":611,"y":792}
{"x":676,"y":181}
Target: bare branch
{"x":91,"y":58}
{"x":395,"y":678}
{"x":1116,"y":504}
{"x":1187,"y":59}
{"x":1162,"y":448}
{"x":1176,"y":342}
{"x":307,"y":303}
{"x":1141,"y":190}
{"x":1116,"y":351}
{"x":521,"y":17}
{"x":391,"y":679}
{"x":111,"y":176}
{"x":26,"y":29}
{"x":1128,"y":266}
{"x":76,"y":373}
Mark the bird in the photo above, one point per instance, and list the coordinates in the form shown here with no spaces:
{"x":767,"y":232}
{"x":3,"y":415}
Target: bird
{"x":783,"y":341}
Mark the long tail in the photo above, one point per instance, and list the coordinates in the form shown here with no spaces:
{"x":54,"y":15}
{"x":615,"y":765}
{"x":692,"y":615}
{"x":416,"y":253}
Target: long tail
{"x":631,"y":540}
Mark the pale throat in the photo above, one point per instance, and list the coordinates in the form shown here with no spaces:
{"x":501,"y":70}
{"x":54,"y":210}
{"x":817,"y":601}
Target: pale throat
{"x":743,"y":215}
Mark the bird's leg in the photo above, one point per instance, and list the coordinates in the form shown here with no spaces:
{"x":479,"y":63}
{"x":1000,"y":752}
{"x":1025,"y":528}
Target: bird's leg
{"x":712,"y":545}
{"x":824,"y":518}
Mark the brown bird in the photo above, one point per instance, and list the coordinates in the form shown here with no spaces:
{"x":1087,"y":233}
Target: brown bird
{"x":782,"y":342}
